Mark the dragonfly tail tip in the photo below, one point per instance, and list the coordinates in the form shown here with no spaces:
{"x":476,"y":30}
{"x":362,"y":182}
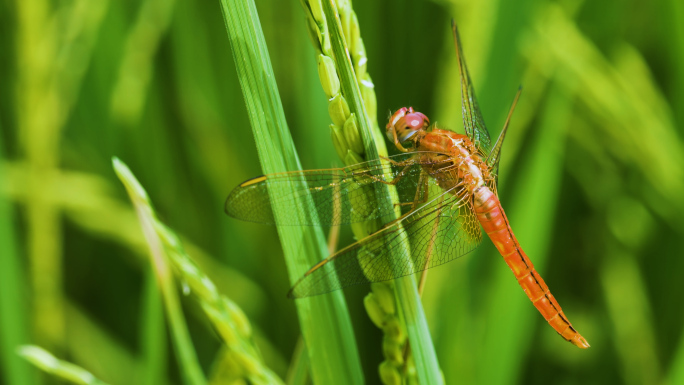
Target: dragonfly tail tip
{"x":580,"y":342}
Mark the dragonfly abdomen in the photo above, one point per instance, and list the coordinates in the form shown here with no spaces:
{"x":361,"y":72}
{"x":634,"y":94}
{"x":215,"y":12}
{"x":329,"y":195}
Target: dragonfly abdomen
{"x":493,"y":219}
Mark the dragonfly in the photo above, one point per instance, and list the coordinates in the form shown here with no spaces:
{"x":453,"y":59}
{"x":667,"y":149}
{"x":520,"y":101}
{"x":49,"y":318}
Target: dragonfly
{"x":446,"y":185}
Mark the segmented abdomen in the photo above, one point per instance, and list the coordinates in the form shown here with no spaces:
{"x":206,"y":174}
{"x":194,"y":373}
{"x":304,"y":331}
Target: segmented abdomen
{"x":493,"y":219}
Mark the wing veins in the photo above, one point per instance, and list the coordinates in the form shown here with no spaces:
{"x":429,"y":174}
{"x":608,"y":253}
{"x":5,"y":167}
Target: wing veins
{"x":417,"y":221}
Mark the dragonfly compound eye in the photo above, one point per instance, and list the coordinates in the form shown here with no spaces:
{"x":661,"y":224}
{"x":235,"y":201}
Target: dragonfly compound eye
{"x":398,"y":115}
{"x":406,"y":122}
{"x":394,"y":119}
{"x":416,"y":121}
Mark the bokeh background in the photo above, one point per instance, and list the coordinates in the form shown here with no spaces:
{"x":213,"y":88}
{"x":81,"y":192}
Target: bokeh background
{"x":592,"y":178}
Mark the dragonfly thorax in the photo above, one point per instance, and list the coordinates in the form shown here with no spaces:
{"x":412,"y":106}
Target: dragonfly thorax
{"x":466,"y":167}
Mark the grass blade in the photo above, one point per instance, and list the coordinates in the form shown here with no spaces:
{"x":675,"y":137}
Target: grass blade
{"x":189,"y":365}
{"x":324,"y":320}
{"x":676,"y":373}
{"x":58,"y":368}
{"x":153,"y":332}
{"x":298,"y":373}
{"x":13,"y":315}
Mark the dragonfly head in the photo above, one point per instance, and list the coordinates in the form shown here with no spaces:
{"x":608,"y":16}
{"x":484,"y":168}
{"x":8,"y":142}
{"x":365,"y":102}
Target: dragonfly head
{"x":406,"y":122}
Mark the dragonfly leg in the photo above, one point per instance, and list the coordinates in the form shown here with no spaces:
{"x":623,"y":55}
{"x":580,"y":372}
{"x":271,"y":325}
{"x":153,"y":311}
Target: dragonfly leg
{"x":397,"y":143}
{"x":396,"y":179}
{"x":406,"y":162}
{"x":421,"y":192}
{"x":420,"y":198}
{"x":463,"y":198}
{"x":428,"y":252}
{"x":404,"y":204}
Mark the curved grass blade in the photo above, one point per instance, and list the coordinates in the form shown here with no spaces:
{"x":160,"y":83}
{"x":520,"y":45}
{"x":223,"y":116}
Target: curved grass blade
{"x":324,"y":320}
{"x":229,"y":321}
{"x":58,"y":368}
{"x":408,"y":300}
{"x":189,"y":364}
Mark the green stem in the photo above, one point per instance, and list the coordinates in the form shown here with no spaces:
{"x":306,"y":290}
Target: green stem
{"x":408,"y":300}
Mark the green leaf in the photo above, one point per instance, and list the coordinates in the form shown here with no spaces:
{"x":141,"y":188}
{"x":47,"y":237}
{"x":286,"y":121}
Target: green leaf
{"x":298,"y":373}
{"x":13,"y":312}
{"x":324,"y":320}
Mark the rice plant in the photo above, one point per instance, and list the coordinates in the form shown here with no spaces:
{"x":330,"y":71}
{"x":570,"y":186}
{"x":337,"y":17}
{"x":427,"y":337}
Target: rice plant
{"x":591,"y":178}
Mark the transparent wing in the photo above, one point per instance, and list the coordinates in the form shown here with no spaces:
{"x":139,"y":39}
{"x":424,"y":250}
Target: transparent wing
{"x":330,"y":197}
{"x":440,"y":231}
{"x":472,"y":118}
{"x":495,"y":155}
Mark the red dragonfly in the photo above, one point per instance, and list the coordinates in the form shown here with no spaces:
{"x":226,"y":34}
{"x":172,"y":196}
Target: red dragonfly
{"x":447,"y":188}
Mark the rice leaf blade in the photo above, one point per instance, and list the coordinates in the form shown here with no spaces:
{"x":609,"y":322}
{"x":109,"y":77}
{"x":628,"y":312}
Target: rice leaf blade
{"x":324,"y":320}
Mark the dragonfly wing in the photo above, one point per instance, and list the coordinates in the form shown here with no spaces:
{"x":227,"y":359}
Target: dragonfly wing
{"x":495,"y":155}
{"x":327,"y":197}
{"x":472,"y":118}
{"x":438,"y":232}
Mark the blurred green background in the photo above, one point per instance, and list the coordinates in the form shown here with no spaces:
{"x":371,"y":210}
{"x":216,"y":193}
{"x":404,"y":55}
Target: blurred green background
{"x":592,"y":178}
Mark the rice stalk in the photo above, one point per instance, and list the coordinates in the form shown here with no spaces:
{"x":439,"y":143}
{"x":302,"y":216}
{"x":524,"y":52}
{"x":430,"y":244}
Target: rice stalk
{"x":229,"y":321}
{"x":356,"y":137}
{"x":52,"y":60}
{"x":143,"y":41}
